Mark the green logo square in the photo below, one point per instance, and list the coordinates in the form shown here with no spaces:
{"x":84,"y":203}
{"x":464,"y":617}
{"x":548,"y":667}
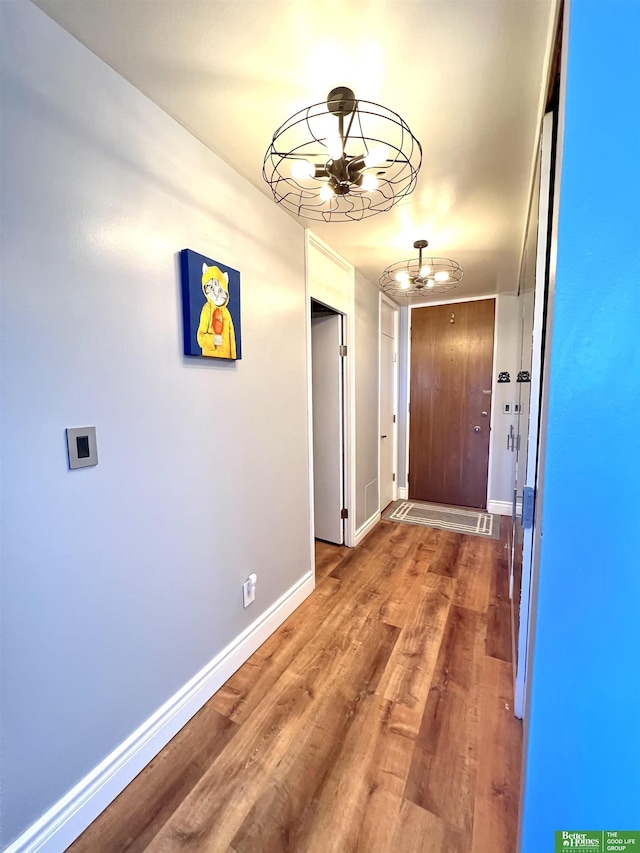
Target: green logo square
{"x":603,"y":841}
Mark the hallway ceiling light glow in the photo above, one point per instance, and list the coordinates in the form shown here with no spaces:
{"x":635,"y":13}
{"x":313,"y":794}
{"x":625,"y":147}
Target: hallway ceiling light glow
{"x":413,"y":277}
{"x":342,"y":160}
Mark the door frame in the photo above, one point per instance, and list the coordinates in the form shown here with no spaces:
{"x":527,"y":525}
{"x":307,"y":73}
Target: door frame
{"x":396,"y":385}
{"x":496,"y":298}
{"x":530,"y":546}
{"x":332,"y":528}
{"x":341,"y":300}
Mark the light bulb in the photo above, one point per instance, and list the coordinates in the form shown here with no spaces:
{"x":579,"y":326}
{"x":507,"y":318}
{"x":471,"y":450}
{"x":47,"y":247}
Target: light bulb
{"x":404,"y":284}
{"x":334,"y":147}
{"x":326,"y":192}
{"x":369,"y":183}
{"x":424,"y":272}
{"x":302,"y":169}
{"x":401,"y":276}
{"x":377,"y":156}
{"x":429,"y":284}
{"x":442,"y":276}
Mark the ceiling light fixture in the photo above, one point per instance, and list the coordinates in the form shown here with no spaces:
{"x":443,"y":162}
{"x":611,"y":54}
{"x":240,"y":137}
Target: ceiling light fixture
{"x":342,"y":160}
{"x":420,"y":275}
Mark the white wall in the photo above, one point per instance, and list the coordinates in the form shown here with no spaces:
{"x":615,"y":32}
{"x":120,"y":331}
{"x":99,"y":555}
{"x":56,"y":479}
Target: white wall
{"x":330,"y":277}
{"x":367,"y":339}
{"x":121,"y":581}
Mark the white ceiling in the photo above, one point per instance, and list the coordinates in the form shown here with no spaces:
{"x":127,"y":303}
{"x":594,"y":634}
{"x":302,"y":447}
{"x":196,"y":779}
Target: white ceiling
{"x":466,"y":75}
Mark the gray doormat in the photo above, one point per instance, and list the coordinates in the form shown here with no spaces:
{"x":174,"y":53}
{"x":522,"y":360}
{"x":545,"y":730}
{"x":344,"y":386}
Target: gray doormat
{"x":469,"y":521}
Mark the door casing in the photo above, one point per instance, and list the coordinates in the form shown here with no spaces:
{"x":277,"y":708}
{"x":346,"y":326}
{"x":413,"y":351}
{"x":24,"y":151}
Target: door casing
{"x":393,"y":436}
{"x":494,"y":296}
{"x":330,"y":280}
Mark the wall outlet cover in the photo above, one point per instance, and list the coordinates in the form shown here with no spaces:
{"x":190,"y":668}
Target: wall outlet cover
{"x":249,"y":590}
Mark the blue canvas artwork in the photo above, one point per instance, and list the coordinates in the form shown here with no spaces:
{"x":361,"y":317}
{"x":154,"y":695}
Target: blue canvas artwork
{"x":210,"y":307}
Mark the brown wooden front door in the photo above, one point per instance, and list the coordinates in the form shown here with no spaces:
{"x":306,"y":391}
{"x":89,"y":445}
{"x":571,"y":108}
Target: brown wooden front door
{"x":451,"y":367}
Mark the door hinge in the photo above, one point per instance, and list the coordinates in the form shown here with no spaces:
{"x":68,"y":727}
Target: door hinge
{"x":394,"y":478}
{"x":344,"y":513}
{"x":395,"y":357}
{"x":528,"y":504}
{"x":343,"y":349}
{"x":394,"y":419}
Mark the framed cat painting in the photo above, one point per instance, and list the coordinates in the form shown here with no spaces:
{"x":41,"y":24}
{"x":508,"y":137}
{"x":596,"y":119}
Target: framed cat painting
{"x":210,"y":307}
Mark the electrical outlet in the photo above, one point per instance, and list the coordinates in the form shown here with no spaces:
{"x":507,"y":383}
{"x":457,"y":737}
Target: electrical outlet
{"x":249,"y":590}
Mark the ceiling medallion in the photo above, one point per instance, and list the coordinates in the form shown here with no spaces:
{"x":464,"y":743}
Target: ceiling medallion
{"x":342,"y":160}
{"x":421,"y":276}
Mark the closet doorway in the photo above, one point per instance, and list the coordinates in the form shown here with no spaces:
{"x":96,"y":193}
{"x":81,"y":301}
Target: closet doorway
{"x":327,"y":400}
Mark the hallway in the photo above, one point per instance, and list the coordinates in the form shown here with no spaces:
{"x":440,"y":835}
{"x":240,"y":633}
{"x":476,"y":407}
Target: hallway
{"x":377,"y":718}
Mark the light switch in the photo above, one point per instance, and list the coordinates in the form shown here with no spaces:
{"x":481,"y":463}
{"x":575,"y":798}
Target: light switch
{"x":82,"y":447}
{"x":506,"y":408}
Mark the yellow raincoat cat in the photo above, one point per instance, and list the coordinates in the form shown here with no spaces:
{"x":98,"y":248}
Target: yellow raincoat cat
{"x":216,"y":335}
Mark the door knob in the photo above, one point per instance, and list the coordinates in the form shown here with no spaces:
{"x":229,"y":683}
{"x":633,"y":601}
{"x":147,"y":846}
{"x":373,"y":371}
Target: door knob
{"x":476,"y":429}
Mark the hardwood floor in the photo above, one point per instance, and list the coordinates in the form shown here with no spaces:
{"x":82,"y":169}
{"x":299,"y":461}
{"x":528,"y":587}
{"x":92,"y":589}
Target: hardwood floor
{"x":378,"y":718}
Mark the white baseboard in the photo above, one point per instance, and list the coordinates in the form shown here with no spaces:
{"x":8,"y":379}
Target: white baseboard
{"x":403,"y":493}
{"x":72,"y":814}
{"x":500,"y":507}
{"x":367,"y":527}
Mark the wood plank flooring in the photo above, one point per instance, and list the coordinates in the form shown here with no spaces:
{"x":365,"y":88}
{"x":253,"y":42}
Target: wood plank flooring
{"x":378,"y":718}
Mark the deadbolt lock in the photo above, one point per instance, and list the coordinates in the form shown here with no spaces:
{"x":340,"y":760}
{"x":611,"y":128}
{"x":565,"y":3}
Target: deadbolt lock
{"x":476,"y":429}
{"x":484,"y":414}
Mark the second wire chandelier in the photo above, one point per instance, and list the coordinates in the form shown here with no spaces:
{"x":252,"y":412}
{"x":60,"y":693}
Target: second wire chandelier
{"x":421,"y":276}
{"x":342,"y":160}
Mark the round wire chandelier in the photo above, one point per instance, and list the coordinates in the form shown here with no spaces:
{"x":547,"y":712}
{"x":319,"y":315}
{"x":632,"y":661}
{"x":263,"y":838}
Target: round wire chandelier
{"x":342,"y":160}
{"x":421,"y":276}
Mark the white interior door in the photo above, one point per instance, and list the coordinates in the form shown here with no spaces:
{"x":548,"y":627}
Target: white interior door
{"x":526,"y":522}
{"x":387,"y":404}
{"x":327,"y":397}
